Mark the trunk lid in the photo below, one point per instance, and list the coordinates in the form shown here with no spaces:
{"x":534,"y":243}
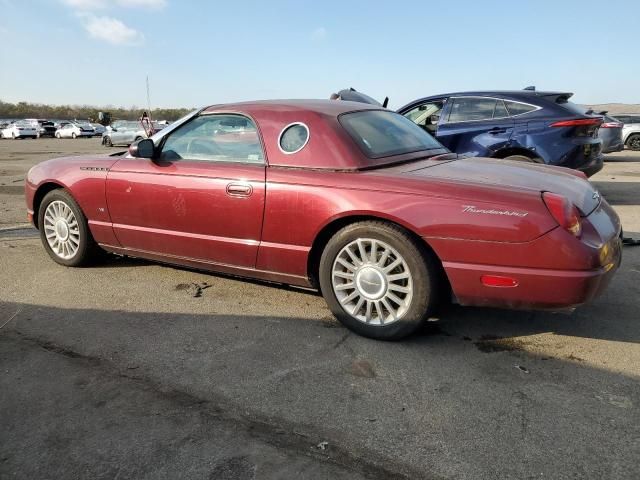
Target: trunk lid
{"x":518,"y":176}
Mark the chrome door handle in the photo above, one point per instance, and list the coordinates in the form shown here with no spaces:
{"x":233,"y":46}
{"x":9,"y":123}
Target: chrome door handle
{"x":239,"y":190}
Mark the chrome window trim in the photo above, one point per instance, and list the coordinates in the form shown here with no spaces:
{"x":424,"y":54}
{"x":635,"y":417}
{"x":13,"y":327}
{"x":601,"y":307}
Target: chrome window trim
{"x":536,"y":108}
{"x":286,"y":127}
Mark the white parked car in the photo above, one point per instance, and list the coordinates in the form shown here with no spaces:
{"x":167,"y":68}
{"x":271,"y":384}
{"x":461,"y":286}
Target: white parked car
{"x":19,"y":129}
{"x":75,"y":130}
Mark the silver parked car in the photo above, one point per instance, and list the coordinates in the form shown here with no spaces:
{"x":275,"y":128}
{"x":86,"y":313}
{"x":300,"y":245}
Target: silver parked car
{"x":123,"y":132}
{"x":631,"y":130}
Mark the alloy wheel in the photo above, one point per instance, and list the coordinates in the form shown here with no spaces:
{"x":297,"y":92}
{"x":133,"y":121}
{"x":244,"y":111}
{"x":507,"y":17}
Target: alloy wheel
{"x":61,"y":230}
{"x":372,"y":282}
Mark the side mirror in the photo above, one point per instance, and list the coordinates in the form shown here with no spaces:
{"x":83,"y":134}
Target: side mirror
{"x":114,"y":129}
{"x":142,"y":148}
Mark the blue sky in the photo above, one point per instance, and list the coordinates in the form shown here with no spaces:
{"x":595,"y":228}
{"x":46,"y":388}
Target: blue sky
{"x":99,"y":52}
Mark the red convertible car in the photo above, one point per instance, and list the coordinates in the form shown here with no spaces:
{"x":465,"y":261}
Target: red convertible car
{"x":345,"y":197}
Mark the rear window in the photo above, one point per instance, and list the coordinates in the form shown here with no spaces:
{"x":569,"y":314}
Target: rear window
{"x":383,"y":133}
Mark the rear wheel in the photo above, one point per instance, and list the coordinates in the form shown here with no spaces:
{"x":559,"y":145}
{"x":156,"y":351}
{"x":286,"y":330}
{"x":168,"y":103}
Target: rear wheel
{"x":633,"y":142}
{"x":73,"y":135}
{"x":377,"y":280}
{"x":64,"y":231}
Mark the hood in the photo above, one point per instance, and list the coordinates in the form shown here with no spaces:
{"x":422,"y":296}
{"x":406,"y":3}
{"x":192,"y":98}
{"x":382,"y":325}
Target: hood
{"x":517,"y":176}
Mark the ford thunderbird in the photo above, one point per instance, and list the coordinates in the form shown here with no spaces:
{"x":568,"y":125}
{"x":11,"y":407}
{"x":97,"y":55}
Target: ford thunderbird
{"x":352,"y":199}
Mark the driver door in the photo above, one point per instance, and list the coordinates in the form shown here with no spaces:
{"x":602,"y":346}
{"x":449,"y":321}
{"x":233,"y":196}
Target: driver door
{"x":201,"y":199}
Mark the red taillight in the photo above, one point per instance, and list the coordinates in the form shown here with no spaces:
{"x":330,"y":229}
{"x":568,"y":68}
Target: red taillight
{"x":611,"y":125}
{"x":498,"y":281}
{"x":577,"y":122}
{"x":564,"y":212}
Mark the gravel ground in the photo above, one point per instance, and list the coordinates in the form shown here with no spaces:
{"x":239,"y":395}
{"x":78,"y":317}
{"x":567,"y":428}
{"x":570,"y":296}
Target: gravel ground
{"x":118,"y":371}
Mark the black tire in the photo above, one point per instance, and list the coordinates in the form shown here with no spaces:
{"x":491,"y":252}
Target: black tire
{"x":88,"y":250}
{"x":13,"y":136}
{"x":73,"y":135}
{"x":107,"y":142}
{"x":633,"y":142}
{"x":57,"y":135}
{"x":421,"y":264}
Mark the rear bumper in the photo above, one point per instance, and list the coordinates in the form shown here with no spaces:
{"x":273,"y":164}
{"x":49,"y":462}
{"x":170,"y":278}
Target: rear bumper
{"x":536,"y":289}
{"x":593,"y":166}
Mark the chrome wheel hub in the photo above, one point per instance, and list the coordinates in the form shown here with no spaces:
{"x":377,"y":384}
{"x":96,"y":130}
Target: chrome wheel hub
{"x":61,"y":230}
{"x":372,"y":281}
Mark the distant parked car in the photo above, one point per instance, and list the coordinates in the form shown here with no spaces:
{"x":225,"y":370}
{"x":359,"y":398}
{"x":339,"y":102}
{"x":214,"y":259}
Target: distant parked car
{"x":75,"y":130}
{"x":45,"y":128}
{"x":630,"y":130}
{"x":123,"y":132}
{"x":525,"y":125}
{"x":19,"y":129}
{"x":611,"y":134}
{"x":99,"y":129}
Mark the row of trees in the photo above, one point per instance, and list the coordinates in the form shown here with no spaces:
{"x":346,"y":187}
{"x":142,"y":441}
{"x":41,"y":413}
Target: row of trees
{"x":83,"y":112}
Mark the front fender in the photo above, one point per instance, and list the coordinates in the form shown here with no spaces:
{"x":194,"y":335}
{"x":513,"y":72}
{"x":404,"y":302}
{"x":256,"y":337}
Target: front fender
{"x":84,"y":179}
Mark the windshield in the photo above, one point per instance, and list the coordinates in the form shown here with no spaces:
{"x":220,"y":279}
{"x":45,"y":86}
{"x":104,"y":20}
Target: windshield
{"x":381,"y":133}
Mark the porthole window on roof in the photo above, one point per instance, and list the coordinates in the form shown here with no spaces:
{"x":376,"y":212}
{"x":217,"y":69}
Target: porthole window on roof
{"x":293,"y":137}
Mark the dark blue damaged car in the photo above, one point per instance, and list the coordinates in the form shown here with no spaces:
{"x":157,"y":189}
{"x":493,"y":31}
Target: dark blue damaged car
{"x":526,"y":125}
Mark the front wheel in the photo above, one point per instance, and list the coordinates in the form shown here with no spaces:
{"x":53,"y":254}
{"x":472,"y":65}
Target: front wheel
{"x":106,"y":141}
{"x":58,"y":136}
{"x":633,"y":142}
{"x":73,"y":135}
{"x":378,"y":280}
{"x":64,"y":230}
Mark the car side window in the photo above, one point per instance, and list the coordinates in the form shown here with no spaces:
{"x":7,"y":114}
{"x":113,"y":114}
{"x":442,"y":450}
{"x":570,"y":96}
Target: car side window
{"x":517,"y":108}
{"x":501,"y":110}
{"x":214,"y":138}
{"x":467,"y":109}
